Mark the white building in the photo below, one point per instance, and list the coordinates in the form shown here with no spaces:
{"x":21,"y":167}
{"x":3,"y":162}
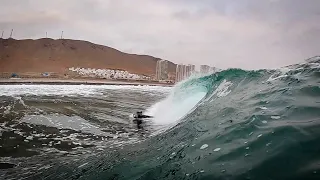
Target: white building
{"x":190,"y":70}
{"x":204,"y":69}
{"x":162,"y":70}
{"x":184,"y":71}
{"x":180,"y":72}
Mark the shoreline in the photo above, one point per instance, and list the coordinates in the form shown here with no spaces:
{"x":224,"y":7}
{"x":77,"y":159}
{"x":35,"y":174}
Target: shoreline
{"x":54,"y":81}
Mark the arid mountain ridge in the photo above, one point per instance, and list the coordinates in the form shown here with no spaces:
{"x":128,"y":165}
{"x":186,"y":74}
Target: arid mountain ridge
{"x":49,"y":55}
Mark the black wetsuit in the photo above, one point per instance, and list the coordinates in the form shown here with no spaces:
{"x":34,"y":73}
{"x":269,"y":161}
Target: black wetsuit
{"x":144,"y":116}
{"x":138,"y":120}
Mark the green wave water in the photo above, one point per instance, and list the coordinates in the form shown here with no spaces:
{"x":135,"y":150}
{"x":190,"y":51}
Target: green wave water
{"x":261,"y":124}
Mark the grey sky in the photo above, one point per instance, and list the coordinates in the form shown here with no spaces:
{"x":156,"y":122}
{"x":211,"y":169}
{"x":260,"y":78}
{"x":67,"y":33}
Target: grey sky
{"x":249,"y":34}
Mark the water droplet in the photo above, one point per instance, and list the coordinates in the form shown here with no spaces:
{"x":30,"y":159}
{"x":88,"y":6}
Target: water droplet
{"x":216,"y":149}
{"x":259,"y":135}
{"x":247,"y":148}
{"x":204,"y":146}
{"x":246,"y":142}
{"x":193,"y":145}
{"x":173,"y":153}
{"x":187,"y":174}
{"x":202,"y":171}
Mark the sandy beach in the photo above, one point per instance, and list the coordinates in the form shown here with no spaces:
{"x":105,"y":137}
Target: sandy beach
{"x":78,"y":82}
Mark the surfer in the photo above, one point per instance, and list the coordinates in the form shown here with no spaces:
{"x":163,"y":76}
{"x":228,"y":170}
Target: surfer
{"x":138,"y":119}
{"x":140,"y":115}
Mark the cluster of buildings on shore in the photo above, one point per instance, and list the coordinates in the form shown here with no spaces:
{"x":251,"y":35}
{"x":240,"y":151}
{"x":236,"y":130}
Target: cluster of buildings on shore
{"x":182,"y":71}
{"x":162,"y":72}
{"x":108,"y":73}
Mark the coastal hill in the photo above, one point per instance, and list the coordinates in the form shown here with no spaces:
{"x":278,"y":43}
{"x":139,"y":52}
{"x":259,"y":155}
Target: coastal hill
{"x":49,"y":55}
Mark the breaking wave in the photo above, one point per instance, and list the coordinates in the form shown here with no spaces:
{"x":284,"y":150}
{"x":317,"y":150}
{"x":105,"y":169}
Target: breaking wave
{"x":234,"y":124}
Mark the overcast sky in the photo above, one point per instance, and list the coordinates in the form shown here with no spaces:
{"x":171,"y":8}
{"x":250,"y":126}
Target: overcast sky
{"x":249,"y":34}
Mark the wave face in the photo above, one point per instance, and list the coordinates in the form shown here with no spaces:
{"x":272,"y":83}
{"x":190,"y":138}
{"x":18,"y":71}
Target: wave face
{"x":248,"y":125}
{"x":183,"y":98}
{"x":234,"y":124}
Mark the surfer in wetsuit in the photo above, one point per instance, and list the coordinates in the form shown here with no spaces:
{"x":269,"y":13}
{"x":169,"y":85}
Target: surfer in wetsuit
{"x":138,"y":118}
{"x":140,"y":115}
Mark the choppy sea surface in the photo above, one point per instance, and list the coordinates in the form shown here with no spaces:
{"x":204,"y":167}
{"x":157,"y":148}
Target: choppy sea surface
{"x":234,"y":124}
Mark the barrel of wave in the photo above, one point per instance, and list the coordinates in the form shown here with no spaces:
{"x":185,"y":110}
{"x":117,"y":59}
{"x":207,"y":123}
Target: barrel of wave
{"x":182,"y":99}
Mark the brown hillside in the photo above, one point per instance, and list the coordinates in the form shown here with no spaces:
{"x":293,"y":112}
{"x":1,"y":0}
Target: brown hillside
{"x":49,"y":55}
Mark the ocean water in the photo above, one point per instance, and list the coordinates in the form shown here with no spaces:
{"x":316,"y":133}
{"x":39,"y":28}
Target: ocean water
{"x":234,"y":124}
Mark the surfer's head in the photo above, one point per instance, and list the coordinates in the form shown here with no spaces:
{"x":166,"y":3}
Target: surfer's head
{"x":138,"y":114}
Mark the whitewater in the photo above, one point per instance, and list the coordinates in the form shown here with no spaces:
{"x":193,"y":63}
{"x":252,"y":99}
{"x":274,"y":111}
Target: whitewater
{"x":234,"y":124}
